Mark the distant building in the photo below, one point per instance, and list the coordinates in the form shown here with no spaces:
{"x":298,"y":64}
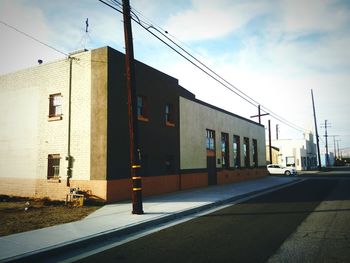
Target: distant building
{"x":344,"y":153}
{"x":331,"y":159}
{"x":300,"y":153}
{"x":65,"y":125}
{"x":275,"y":154}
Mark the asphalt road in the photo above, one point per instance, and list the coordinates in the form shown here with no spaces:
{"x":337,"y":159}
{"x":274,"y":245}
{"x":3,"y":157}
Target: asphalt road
{"x":306,"y":222}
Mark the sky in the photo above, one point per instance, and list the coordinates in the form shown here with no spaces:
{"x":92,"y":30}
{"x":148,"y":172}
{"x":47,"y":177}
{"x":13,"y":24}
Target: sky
{"x":275,"y":51}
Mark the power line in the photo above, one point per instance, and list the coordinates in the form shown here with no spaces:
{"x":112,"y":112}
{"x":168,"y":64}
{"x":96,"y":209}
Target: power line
{"x":255,"y":103}
{"x":204,"y":68}
{"x":33,"y":38}
{"x":147,"y":28}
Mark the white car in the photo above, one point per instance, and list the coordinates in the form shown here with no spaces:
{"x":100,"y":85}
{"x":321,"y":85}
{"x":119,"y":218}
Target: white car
{"x":279,"y":169}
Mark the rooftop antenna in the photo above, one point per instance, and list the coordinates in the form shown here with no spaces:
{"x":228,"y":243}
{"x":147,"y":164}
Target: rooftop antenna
{"x":87,"y":25}
{"x":83,"y":41}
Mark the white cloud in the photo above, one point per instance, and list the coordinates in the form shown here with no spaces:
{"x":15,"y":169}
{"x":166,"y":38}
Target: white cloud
{"x":312,"y":15}
{"x":19,"y":51}
{"x":212,"y":19}
{"x":29,"y":19}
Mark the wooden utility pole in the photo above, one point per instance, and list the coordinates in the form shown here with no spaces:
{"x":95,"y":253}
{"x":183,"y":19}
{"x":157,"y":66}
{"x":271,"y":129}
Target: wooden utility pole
{"x":135,"y":161}
{"x":270,"y":146}
{"x":317,"y":137}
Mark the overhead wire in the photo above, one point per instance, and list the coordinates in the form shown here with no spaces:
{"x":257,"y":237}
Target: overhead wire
{"x":33,"y":38}
{"x":207,"y":70}
{"x":151,"y":25}
{"x":148,"y":26}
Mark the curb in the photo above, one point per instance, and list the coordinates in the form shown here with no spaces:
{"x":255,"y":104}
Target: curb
{"x":42,"y":255}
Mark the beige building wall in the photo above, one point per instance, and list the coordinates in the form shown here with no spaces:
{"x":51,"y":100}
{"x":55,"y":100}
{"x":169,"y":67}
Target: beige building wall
{"x":195,"y":118}
{"x":275,"y":155}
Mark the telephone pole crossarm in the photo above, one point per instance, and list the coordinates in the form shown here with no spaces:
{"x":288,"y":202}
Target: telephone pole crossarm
{"x":259,"y":114}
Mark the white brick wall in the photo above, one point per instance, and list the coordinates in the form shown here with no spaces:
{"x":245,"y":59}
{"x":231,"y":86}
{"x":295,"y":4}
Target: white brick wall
{"x":26,"y":135}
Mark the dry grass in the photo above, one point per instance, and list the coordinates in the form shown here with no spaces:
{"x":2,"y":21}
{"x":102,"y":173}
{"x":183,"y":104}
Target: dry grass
{"x":23,"y":214}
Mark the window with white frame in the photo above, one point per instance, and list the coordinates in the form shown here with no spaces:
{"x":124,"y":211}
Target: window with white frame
{"x":55,"y":106}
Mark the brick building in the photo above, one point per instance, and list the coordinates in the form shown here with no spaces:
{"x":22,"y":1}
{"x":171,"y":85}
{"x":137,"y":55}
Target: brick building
{"x":68,"y":120}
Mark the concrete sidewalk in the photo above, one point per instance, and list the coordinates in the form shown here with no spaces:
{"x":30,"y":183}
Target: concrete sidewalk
{"x":117,"y":220}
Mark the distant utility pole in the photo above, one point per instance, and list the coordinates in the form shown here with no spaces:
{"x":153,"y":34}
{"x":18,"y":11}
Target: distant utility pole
{"x":277,"y":131}
{"x":335,"y":146}
{"x":335,"y":149}
{"x":259,"y":114}
{"x":317,"y":137}
{"x":135,"y":157}
{"x":270,"y":147}
{"x":338,"y":149}
{"x":325,"y":126}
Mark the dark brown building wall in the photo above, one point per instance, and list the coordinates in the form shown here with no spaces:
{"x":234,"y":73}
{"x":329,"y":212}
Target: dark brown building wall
{"x":158,"y":142}
{"x":118,"y":160}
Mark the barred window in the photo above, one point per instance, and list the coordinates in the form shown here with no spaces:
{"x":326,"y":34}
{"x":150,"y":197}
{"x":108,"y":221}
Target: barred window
{"x":53,"y":166}
{"x":236,"y":151}
{"x":210,"y":140}
{"x":225,"y":157}
{"x":246,"y":152}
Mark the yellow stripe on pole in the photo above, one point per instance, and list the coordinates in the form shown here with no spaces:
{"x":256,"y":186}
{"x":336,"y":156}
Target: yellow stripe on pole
{"x":137,"y":189}
{"x":135,"y":166}
{"x":136,"y":177}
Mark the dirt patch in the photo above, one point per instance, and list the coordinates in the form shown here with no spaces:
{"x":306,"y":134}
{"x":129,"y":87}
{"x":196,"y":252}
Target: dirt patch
{"x":19,"y":214}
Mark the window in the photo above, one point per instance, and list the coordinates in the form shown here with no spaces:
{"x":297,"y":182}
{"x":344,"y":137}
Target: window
{"x":303,"y":162}
{"x":225,"y":158}
{"x":255,"y":153}
{"x":55,"y":107}
{"x":236,"y":151}
{"x":169,"y":115}
{"x":210,"y":140}
{"x":142,"y":108}
{"x":246,"y":152}
{"x":290,"y":161}
{"x":53,"y":166}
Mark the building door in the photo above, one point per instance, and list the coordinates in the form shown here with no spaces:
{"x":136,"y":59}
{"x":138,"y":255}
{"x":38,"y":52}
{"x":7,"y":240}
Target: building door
{"x":211,"y":157}
{"x":211,"y":167}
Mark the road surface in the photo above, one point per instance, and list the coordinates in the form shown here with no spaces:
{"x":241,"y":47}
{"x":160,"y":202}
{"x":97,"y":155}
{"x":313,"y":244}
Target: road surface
{"x":306,"y":222}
